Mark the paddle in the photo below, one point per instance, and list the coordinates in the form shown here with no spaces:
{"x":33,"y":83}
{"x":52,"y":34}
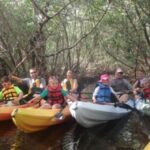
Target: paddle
{"x":124,"y":105}
{"x":26,"y":99}
{"x":124,"y":92}
{"x":118,"y":104}
{"x":59,"y":115}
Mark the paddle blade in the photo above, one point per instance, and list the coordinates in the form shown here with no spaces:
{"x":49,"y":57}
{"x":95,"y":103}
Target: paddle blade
{"x":59,"y":116}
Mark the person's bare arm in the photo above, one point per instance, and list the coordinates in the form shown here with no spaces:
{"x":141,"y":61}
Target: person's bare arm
{"x":17,"y":79}
{"x":94,"y":100}
{"x":94,"y":94}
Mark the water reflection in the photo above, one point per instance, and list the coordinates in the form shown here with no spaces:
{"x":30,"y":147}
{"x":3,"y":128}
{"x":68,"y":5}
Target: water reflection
{"x":125,"y":134}
{"x":129,"y":133}
{"x":132,"y":135}
{"x":91,"y":139}
{"x":7,"y":132}
{"x":49,"y":139}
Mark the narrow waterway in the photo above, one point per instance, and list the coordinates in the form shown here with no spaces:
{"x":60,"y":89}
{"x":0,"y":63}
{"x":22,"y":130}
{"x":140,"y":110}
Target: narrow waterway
{"x":129,"y":133}
{"x":50,"y":139}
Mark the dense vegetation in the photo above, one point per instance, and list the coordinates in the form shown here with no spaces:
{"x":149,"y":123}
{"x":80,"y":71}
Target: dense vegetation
{"x":57,"y":35}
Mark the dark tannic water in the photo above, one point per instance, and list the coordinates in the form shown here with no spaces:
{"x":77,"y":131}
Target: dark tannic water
{"x":129,"y":133}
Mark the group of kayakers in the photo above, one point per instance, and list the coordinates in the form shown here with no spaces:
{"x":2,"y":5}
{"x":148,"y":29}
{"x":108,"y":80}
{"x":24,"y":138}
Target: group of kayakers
{"x":52,"y":95}
{"x":55,"y":94}
{"x":120,"y":89}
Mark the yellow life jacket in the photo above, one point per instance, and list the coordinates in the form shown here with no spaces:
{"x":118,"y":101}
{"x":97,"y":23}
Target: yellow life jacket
{"x":35,"y":84}
{"x":71,"y":82}
{"x":10,"y":93}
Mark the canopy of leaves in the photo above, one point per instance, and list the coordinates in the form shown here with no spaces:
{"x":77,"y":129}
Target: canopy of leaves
{"x":57,"y":35}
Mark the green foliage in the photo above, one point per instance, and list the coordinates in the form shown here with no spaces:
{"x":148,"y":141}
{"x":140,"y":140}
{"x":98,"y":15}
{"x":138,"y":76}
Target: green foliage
{"x":84,"y":33}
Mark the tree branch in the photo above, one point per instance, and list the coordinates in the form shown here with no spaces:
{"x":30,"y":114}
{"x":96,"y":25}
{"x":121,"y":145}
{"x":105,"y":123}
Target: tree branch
{"x":47,"y":18}
{"x":83,"y":37}
{"x":114,"y":57}
{"x":143,"y":25}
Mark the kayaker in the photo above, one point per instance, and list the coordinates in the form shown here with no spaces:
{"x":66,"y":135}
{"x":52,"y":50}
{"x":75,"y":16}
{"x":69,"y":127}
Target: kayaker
{"x":103,"y":92}
{"x":70,"y":84}
{"x":142,"y":102}
{"x":137,"y":86}
{"x":10,"y":94}
{"x":121,"y":86}
{"x":140,"y":75}
{"x":55,"y":95}
{"x":146,"y":88}
{"x":34,"y":83}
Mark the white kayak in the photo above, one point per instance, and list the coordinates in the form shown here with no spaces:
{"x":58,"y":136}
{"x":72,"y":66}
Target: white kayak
{"x":143,"y":106}
{"x":89,"y":114}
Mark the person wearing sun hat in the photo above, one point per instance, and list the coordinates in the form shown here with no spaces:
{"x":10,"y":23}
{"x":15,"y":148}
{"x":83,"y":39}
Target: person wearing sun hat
{"x":121,"y":85}
{"x":103,"y":92}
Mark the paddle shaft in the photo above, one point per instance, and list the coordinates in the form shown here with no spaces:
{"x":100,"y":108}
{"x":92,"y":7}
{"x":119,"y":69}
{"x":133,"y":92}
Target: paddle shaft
{"x":118,"y":104}
{"x":59,"y":114}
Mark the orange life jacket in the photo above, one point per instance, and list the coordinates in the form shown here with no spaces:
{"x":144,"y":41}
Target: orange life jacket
{"x":55,"y":96}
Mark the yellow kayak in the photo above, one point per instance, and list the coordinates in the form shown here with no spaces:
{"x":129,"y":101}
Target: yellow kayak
{"x":147,"y":147}
{"x":35,"y":119}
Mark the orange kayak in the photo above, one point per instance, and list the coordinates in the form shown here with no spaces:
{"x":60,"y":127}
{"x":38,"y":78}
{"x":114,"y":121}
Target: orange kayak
{"x":5,"y":111}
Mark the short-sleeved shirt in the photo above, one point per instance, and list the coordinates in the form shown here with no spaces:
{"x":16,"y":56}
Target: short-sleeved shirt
{"x":17,"y":89}
{"x":45,"y":93}
{"x":120,"y":85}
